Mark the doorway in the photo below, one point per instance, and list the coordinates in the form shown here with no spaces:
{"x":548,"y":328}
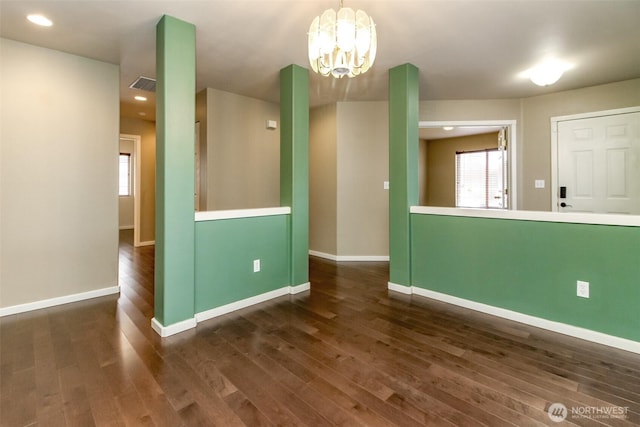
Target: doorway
{"x":135,"y":159}
{"x":442,"y":190}
{"x":596,"y":162}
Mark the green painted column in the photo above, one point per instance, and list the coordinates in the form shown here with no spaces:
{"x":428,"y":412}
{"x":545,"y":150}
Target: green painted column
{"x":294,"y":165}
{"x":403,"y":168}
{"x":175,"y":128}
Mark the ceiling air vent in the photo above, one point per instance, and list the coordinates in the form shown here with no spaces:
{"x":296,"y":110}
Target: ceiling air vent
{"x":144,"y":83}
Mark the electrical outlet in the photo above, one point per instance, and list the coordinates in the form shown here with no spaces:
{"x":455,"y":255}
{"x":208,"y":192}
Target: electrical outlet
{"x":256,"y":265}
{"x":583,"y":289}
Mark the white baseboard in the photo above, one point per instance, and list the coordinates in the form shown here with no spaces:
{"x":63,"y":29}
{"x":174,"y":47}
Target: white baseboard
{"x":562,"y":328}
{"x":165,"y":331}
{"x":323,"y":255}
{"x":147,"y":243}
{"x":51,"y":302}
{"x":247,"y":302}
{"x":126,"y":227}
{"x":299,"y":288}
{"x":349,"y":257}
{"x":174,"y":328}
{"x":365,"y":258}
{"x":399,"y":288}
{"x":237,"y":305}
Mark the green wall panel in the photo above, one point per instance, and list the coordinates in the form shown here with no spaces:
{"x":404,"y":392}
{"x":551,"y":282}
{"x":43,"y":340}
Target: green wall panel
{"x":225,"y":250}
{"x":403,"y":168}
{"x":174,"y":267}
{"x":532,"y":268}
{"x":294,"y":165}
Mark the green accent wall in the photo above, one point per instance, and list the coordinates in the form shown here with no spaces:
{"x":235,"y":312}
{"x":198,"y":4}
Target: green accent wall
{"x":532,"y":267}
{"x":225,"y":250}
{"x":403,"y":168}
{"x":294,"y":165}
{"x":175,"y":127}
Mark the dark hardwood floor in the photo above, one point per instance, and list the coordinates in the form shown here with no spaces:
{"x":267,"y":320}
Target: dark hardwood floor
{"x":346,"y":353}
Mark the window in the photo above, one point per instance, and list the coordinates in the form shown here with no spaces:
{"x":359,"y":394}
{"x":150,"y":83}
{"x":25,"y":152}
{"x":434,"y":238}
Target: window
{"x":124,"y":182}
{"x":480,"y":179}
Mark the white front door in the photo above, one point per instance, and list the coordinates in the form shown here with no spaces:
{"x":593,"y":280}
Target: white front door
{"x":599,"y":164}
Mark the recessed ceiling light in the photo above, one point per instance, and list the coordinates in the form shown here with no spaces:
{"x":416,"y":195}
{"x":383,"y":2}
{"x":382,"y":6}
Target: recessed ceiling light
{"x":448,"y":128}
{"x":41,"y":20}
{"x":139,"y":98}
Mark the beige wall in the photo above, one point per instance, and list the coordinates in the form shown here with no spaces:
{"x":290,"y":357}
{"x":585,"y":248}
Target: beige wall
{"x":537,"y":113}
{"x":533,"y":133}
{"x":201,"y":120}
{"x":490,"y":109}
{"x":348,"y":164}
{"x":147,"y":131}
{"x":422,"y":172}
{"x":323,"y":180}
{"x":59,"y":174}
{"x":472,"y":110}
{"x":441,"y":165}
{"x":363,"y":166}
{"x":362,"y":157}
{"x":242,"y":156}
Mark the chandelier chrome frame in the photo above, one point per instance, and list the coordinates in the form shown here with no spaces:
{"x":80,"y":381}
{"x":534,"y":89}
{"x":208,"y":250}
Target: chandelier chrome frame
{"x":342,"y":43}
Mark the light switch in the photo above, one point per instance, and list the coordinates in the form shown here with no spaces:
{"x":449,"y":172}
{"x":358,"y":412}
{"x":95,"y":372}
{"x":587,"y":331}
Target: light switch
{"x":385,"y":185}
{"x":539,"y":183}
{"x":272,"y":124}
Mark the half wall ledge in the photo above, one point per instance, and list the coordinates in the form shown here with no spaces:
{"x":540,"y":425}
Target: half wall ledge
{"x":541,"y":216}
{"x":241,"y":213}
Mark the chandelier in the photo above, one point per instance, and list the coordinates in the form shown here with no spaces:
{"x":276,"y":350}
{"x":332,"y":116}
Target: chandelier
{"x":342,"y":43}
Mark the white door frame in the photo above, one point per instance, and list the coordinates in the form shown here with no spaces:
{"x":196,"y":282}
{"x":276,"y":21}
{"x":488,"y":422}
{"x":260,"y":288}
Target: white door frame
{"x":554,"y":142}
{"x":136,"y":139}
{"x":511,"y":147}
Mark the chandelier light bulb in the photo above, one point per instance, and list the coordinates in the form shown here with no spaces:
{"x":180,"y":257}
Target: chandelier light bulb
{"x":342,"y":43}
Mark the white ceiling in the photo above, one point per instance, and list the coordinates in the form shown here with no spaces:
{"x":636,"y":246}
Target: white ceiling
{"x":465,"y":49}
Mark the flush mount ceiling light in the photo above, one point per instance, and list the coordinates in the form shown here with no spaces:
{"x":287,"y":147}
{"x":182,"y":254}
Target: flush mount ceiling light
{"x":41,"y":20}
{"x":342,"y":43}
{"x":547,"y":73}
